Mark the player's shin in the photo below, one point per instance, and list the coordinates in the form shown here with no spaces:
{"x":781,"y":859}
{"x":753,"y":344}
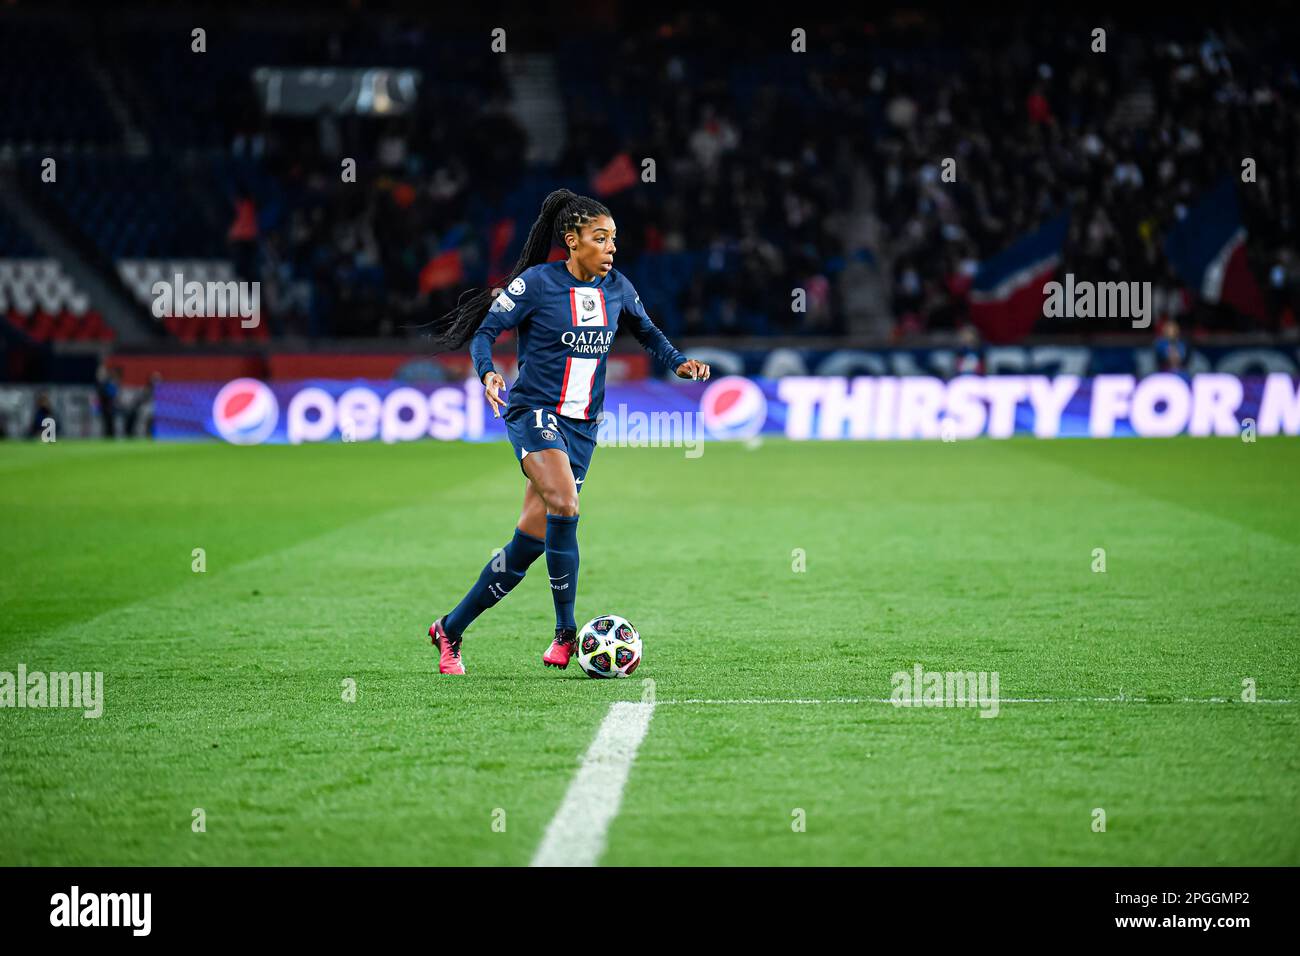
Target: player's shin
{"x":497,"y":579}
{"x":562,"y":566}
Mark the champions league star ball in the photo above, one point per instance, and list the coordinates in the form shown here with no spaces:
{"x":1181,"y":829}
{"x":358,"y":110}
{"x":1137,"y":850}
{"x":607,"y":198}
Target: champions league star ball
{"x":608,"y":646}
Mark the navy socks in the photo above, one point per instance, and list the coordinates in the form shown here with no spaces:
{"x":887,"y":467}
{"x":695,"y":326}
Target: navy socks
{"x":498,"y":578}
{"x":562,"y":566}
{"x":507,"y":568}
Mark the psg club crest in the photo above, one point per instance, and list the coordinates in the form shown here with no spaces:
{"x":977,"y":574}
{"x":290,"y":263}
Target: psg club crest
{"x":588,"y":307}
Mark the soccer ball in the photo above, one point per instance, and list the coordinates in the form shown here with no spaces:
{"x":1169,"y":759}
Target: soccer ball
{"x":608,"y":646}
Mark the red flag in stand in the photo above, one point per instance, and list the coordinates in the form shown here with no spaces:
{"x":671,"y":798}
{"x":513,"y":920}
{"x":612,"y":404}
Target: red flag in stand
{"x":618,"y":175}
{"x":443,"y":270}
{"x":503,"y":231}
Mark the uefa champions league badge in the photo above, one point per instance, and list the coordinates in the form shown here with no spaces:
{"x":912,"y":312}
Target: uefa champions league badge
{"x":516,"y":286}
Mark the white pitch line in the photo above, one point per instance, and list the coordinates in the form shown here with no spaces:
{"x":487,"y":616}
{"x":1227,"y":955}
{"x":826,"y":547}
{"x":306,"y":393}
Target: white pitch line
{"x":576,"y":834}
{"x":1001,"y":700}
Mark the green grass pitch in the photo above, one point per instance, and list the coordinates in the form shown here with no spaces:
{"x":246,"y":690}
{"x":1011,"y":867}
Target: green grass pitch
{"x":224,"y":689}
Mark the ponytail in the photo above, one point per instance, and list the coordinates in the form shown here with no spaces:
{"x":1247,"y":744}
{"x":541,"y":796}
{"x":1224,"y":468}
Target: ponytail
{"x":562,"y":211}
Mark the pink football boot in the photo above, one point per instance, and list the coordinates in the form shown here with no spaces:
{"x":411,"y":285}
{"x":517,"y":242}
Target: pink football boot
{"x":449,"y":661}
{"x":561,"y":649}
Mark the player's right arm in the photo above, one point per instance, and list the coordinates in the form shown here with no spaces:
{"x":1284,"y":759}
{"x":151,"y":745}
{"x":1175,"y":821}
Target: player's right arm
{"x":493,"y":385}
{"x":506,"y":312}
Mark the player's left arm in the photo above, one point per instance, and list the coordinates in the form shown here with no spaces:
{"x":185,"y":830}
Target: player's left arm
{"x":655,"y":342}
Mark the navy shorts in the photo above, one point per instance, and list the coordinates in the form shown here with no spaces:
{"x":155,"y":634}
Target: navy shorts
{"x":533,"y":429}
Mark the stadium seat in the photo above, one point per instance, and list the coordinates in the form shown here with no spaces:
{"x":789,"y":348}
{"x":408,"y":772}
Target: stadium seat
{"x":44,"y":303}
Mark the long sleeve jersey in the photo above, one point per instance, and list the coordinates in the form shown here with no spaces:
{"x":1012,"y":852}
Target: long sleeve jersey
{"x":565,"y":329}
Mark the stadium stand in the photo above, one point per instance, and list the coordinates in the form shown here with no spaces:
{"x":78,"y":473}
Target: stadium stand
{"x":825,"y":165}
{"x":42,"y":303}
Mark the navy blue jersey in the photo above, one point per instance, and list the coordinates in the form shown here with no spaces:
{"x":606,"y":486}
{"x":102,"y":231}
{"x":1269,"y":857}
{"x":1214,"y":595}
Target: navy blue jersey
{"x":566,"y":328}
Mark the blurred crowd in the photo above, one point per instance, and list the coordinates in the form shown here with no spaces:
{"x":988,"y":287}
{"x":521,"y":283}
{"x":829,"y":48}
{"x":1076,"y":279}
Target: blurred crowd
{"x":820,"y":171}
{"x":1126,"y":140}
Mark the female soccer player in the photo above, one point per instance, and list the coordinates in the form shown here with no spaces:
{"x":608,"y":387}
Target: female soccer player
{"x":566,"y":313}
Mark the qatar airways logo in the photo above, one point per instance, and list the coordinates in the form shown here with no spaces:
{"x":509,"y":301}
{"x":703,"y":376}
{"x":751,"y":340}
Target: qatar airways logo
{"x":589,"y":343}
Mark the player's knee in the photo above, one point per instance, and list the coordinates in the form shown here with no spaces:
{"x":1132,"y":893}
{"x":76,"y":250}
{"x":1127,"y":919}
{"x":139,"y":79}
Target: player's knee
{"x":563,"y":503}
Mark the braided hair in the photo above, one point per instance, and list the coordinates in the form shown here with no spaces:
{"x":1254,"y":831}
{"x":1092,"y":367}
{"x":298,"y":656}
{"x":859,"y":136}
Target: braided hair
{"x":562,"y":211}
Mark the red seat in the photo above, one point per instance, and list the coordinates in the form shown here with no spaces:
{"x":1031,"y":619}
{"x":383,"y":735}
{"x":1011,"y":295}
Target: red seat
{"x":42,"y":326}
{"x":98,"y":328}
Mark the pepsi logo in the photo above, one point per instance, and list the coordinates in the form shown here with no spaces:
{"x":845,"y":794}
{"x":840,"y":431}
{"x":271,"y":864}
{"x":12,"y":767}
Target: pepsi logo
{"x":245,"y":412}
{"x":733,"y":407}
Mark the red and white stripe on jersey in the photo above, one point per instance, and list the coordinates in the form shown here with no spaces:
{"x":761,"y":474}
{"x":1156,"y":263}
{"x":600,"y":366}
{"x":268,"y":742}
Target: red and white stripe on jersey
{"x":575,"y":393}
{"x":588,"y":306}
